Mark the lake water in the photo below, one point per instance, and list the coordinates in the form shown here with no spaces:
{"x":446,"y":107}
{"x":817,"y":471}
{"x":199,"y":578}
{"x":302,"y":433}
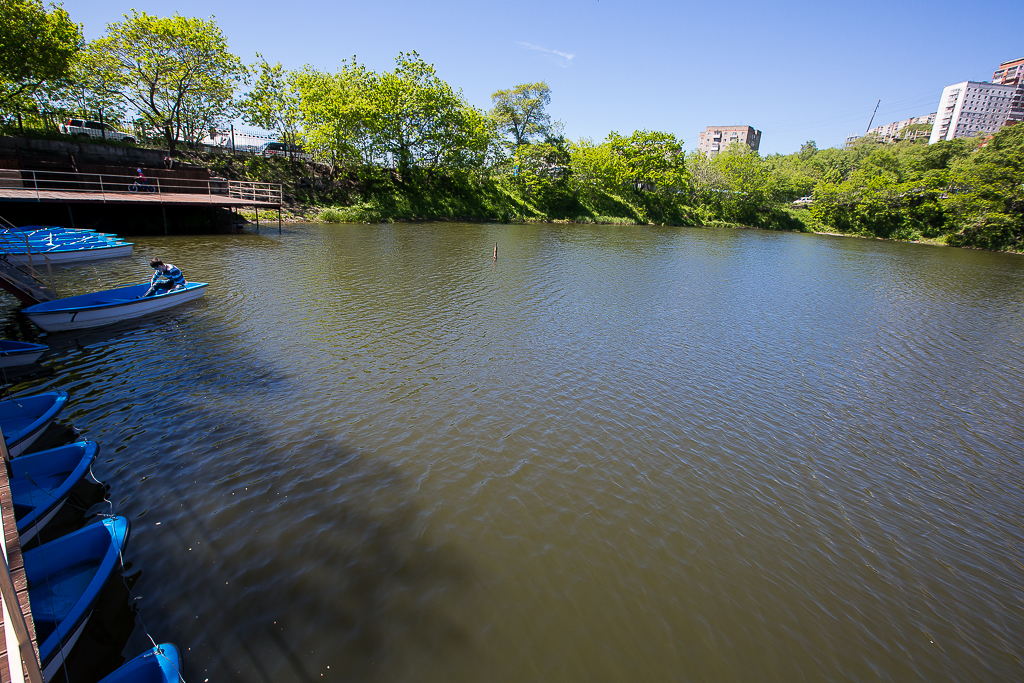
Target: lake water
{"x":617,"y":454}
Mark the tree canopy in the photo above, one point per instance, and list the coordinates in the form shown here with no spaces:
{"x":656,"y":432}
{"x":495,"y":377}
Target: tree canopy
{"x":37,"y":48}
{"x":175,"y":71}
{"x":521,"y":112}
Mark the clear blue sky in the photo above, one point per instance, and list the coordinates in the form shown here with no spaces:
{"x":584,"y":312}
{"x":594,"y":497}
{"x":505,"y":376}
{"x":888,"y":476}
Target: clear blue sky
{"x":796,"y":71}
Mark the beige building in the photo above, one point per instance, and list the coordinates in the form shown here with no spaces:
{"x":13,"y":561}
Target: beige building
{"x":716,"y":138}
{"x":896,"y":131}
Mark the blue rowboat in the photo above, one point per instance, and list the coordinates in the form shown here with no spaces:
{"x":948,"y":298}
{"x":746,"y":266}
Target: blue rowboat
{"x":14,"y":353}
{"x":108,"y":307}
{"x":162,"y":664}
{"x":41,"y":482}
{"x":65,"y":579}
{"x":24,"y":418}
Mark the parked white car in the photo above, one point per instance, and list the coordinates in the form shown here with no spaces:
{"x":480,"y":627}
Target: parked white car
{"x":84,"y":128}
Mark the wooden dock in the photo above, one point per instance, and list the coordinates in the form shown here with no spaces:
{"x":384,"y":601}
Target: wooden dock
{"x":67,"y":187}
{"x":15,"y":671}
{"x":163,"y":198}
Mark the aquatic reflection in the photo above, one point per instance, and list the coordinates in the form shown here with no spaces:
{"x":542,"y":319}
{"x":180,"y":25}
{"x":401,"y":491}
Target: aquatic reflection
{"x":618,"y":453}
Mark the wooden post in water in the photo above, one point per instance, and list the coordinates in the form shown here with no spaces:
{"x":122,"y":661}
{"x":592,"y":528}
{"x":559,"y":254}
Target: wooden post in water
{"x":495,"y":251}
{"x":257,"y":218}
{"x":279,"y":220}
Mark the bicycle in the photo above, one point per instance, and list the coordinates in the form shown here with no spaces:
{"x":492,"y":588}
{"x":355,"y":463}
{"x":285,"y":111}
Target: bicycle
{"x":144,"y":187}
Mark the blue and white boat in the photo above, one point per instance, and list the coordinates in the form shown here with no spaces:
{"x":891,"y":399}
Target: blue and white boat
{"x":13,"y":353}
{"x":24,"y":418}
{"x":162,"y":664}
{"x":41,"y":482}
{"x":61,"y":245}
{"x":65,"y":579}
{"x":108,"y":307}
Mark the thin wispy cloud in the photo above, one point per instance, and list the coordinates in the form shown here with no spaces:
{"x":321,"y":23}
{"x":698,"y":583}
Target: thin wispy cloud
{"x":564,"y":55}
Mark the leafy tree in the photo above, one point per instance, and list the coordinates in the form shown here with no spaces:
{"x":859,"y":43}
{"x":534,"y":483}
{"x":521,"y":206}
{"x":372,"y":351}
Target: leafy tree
{"x":989,"y":203}
{"x":594,"y":168}
{"x":175,"y":71}
{"x":750,"y":186}
{"x":37,"y":48}
{"x":418,"y":120}
{"x":273,"y":101}
{"x":520,"y":112}
{"x":649,"y":160}
{"x":336,"y":114}
{"x":808,"y":150}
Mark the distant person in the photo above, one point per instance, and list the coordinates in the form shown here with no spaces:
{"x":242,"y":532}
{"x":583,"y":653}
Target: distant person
{"x":169,"y":163}
{"x":173,"y":278}
{"x":141,"y":179}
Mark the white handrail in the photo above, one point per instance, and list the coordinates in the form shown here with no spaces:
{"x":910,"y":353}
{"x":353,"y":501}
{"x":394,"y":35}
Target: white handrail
{"x":67,"y":181}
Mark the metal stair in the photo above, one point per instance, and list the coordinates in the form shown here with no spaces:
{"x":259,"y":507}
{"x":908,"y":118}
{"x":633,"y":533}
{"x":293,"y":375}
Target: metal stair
{"x":18,"y":275}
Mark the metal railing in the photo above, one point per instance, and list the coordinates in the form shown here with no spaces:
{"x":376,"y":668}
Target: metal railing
{"x":106,"y":184}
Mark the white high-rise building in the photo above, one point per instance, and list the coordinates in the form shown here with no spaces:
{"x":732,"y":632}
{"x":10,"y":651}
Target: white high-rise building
{"x":971,"y":108}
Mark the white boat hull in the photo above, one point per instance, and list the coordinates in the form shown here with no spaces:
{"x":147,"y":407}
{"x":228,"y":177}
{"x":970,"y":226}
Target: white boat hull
{"x":51,"y":669}
{"x":37,"y":258}
{"x":29,"y":533}
{"x":16,"y":359}
{"x":22,"y":446}
{"x":62,"y":321}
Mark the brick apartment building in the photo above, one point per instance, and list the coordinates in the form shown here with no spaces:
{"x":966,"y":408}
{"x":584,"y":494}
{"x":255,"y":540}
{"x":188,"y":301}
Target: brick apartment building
{"x":1012,"y":73}
{"x":716,"y":138}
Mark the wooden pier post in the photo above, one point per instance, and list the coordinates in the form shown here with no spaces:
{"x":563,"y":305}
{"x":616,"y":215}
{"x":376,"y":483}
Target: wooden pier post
{"x":495,"y":251}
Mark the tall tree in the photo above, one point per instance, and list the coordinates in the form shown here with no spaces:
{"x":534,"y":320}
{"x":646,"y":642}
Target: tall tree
{"x":36,"y":48}
{"x":336,"y":113}
{"x":520,"y":112}
{"x":651,"y":160}
{"x":273,"y":101}
{"x":418,"y":120}
{"x":175,"y":71}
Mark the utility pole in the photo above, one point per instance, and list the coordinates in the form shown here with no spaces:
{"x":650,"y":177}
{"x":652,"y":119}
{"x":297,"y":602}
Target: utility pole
{"x":872,"y":118}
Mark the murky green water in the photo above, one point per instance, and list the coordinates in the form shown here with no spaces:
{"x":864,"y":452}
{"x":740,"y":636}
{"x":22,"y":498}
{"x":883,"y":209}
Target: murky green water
{"x":617,"y":454}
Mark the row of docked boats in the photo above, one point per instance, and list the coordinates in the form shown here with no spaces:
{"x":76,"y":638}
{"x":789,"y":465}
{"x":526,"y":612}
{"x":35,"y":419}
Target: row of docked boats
{"x":67,"y":575}
{"x":42,"y":245}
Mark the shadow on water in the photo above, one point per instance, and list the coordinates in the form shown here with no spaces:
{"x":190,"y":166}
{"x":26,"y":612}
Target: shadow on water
{"x":326,"y":562}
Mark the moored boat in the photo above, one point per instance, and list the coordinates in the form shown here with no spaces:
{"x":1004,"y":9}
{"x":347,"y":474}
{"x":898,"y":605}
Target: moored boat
{"x":65,"y":579}
{"x":61,"y":245}
{"x":14,"y":353}
{"x":71,"y":254}
{"x":41,"y":482}
{"x":161,"y":664}
{"x":24,"y":418}
{"x":108,"y":307}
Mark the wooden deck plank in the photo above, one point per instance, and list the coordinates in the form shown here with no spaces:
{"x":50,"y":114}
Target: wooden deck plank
{"x":17,"y":566}
{"x":165,"y":198}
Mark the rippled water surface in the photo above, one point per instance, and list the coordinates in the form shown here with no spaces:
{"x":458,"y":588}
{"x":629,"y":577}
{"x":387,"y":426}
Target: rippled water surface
{"x":617,"y":454}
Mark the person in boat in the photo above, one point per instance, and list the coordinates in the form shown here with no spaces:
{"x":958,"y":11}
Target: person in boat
{"x":173,"y":279}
